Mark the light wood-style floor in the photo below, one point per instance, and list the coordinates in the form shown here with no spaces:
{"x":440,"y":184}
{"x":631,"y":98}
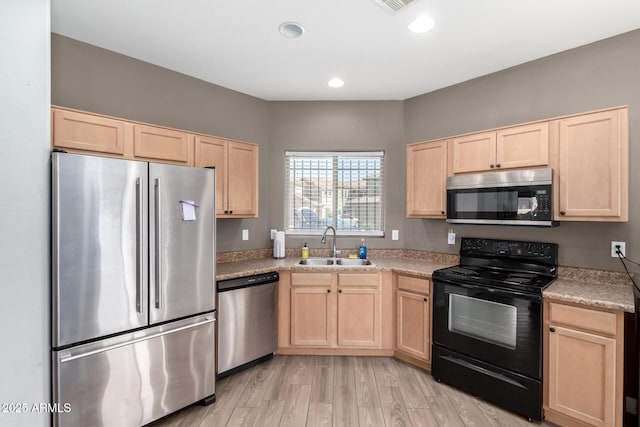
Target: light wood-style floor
{"x":340,"y":391}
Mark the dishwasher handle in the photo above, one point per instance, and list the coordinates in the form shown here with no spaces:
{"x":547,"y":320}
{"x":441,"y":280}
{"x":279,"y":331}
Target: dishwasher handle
{"x":247,"y":281}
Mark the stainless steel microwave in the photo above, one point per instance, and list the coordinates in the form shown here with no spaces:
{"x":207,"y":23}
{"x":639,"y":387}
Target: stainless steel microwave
{"x":521,"y":197}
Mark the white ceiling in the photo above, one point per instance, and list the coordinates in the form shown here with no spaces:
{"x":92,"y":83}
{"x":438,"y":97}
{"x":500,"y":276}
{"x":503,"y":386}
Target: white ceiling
{"x":236,"y":44}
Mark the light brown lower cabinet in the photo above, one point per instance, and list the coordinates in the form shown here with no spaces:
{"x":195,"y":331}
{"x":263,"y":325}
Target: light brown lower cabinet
{"x":583,"y":365}
{"x":413,"y":320}
{"x":335,"y":313}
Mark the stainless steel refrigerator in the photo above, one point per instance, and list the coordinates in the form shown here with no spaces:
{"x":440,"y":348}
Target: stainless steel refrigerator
{"x":133,"y":289}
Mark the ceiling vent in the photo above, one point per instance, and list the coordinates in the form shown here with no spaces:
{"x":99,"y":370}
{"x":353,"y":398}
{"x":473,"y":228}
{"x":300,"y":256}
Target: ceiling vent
{"x":393,"y":6}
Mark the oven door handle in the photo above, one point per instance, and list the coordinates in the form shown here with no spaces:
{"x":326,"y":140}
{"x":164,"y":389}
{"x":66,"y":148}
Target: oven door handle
{"x":450,"y":289}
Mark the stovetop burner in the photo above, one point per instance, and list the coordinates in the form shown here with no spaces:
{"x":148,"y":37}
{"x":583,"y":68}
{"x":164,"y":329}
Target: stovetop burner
{"x":521,"y":266}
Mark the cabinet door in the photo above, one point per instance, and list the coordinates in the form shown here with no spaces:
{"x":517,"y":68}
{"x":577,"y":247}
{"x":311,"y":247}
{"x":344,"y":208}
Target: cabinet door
{"x":582,"y":376}
{"x":523,"y":146}
{"x":474,"y":153}
{"x":213,"y":152}
{"x":359,"y":317}
{"x":593,"y":167}
{"x":413,"y":324}
{"x":312,"y":309}
{"x":86,"y":132}
{"x":162,"y":145}
{"x":242,"y":179}
{"x":427,"y":179}
{"x":311,"y":316}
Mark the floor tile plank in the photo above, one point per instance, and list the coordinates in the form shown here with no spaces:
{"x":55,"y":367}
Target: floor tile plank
{"x":297,"y":391}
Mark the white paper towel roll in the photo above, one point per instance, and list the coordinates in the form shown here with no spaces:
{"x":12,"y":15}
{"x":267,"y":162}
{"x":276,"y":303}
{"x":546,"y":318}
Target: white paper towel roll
{"x":278,"y":245}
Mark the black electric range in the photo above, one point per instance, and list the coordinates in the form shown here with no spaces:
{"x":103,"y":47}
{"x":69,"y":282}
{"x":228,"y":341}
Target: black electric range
{"x":487,"y":321}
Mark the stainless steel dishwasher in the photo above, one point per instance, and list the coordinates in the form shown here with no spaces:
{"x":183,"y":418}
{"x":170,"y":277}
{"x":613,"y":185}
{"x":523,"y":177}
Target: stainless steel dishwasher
{"x":247,"y":321}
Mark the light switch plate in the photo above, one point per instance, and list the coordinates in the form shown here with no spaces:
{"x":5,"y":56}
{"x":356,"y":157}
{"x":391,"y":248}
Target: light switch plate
{"x":245,"y":234}
{"x":451,"y":237}
{"x":394,"y":234}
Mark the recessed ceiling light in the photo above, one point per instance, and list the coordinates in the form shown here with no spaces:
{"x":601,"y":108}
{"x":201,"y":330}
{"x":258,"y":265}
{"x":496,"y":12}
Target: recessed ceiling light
{"x":291,"y":30}
{"x":422,"y":24}
{"x":336,"y":83}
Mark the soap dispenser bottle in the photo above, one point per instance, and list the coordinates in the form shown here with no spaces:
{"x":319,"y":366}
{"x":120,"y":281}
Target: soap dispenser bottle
{"x":305,"y":251}
{"x":362,"y":250}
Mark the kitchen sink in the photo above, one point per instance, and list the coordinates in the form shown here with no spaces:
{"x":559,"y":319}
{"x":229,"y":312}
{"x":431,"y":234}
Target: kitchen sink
{"x":334,"y":261}
{"x":316,"y":261}
{"x":351,"y":261}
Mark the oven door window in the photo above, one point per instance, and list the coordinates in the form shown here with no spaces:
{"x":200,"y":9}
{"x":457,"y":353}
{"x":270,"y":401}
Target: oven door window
{"x":488,"y":321}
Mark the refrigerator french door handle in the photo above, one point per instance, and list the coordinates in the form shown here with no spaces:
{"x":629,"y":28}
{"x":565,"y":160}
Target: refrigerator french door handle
{"x":158,"y":246}
{"x":139,"y":259}
{"x":69,"y":358}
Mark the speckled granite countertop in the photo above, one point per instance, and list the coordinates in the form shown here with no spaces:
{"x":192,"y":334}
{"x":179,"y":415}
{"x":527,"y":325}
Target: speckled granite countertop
{"x":231,"y":270}
{"x":616,"y":295}
{"x":604,"y":289}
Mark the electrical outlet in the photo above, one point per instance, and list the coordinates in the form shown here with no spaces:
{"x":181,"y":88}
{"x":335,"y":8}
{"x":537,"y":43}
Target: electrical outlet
{"x":451,"y":237}
{"x":245,"y":234}
{"x":394,"y":234}
{"x":623,"y":249}
{"x":273,"y":233}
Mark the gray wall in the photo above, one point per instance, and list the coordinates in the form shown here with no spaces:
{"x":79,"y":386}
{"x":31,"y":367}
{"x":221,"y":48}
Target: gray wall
{"x":93,"y":79}
{"x":600,"y":75}
{"x":24,"y":209}
{"x":596,"y":76}
{"x":351,"y":126}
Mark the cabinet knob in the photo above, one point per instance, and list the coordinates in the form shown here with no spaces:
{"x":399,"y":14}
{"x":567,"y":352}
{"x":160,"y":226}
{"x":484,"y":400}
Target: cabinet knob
{"x":498,"y":165}
{"x":340,"y":291}
{"x":562,"y":212}
{"x":491,"y":166}
{"x":424,"y":299}
{"x":226,"y":212}
{"x":230,"y":212}
{"x":552,"y":329}
{"x":442,"y":212}
{"x":328,"y":291}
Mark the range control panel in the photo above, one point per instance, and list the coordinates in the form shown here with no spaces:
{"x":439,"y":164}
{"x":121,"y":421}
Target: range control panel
{"x":508,"y":248}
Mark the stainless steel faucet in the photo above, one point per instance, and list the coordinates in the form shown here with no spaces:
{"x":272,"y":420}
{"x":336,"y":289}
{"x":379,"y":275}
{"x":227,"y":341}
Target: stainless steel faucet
{"x":334,"y":251}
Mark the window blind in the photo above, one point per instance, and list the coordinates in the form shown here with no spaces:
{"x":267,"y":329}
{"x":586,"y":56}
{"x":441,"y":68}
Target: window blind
{"x":339,"y":189}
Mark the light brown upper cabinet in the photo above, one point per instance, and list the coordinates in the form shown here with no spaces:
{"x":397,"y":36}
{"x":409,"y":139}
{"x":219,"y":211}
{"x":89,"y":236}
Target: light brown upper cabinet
{"x":514,"y":147}
{"x":93,"y":134}
{"x":427,"y":179}
{"x":591,"y":162}
{"x":158,"y":144}
{"x":81,"y":132}
{"x":236,"y":166}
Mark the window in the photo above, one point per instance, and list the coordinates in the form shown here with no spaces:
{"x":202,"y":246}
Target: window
{"x":341,"y":189}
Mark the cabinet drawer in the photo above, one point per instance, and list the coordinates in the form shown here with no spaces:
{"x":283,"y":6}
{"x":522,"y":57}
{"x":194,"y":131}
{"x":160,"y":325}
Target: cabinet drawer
{"x":310,"y":279}
{"x":416,"y":284}
{"x":584,"y":318}
{"x":358,"y":279}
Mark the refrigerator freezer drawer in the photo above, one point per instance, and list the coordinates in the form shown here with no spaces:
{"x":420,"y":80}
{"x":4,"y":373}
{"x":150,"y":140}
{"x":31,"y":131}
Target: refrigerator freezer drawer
{"x":134,"y":379}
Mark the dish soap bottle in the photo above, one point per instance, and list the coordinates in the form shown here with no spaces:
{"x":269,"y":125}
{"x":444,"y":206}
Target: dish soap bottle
{"x":305,"y":251}
{"x":362,"y":250}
